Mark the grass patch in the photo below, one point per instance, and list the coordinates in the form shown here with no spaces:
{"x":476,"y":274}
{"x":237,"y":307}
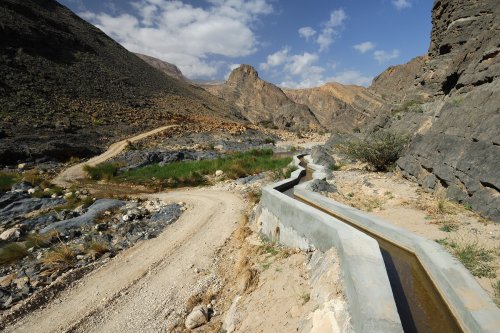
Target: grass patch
{"x":380,"y":150}
{"x":191,"y":173}
{"x":7,"y":180}
{"x":306,"y":297}
{"x":474,"y":257}
{"x":448,"y":227}
{"x":496,"y":292}
{"x":12,"y":252}
{"x":60,"y":257}
{"x":409,"y":106}
{"x":105,"y":171}
{"x":97,"y":248}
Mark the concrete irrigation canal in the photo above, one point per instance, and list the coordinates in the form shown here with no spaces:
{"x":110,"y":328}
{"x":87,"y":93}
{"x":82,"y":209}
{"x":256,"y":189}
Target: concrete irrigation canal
{"x":427,"y":290}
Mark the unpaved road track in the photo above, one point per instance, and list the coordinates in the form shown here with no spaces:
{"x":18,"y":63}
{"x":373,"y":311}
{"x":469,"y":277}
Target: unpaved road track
{"x":138,"y":289}
{"x":76,"y":172}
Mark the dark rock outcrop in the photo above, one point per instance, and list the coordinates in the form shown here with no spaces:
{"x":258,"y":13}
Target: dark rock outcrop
{"x":455,"y":106}
{"x":263,"y":103}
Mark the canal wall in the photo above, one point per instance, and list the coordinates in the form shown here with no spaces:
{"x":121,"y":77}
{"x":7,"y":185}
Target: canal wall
{"x":367,"y":288}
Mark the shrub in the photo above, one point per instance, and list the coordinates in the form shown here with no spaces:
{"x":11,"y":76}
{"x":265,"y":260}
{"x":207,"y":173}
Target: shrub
{"x":409,"y":106}
{"x":105,"y":171}
{"x":496,"y":290}
{"x":12,"y":252}
{"x":380,"y":150}
{"x":6,"y":181}
{"x":60,"y":257}
{"x":269,"y":140}
{"x":473,"y":256}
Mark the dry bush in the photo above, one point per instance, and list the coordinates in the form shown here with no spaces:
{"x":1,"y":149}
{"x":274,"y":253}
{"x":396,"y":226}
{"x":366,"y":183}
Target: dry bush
{"x":61,"y":256}
{"x":97,"y":248}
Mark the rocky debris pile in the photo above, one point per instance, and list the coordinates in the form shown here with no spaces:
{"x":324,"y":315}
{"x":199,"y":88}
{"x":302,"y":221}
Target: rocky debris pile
{"x":37,"y":251}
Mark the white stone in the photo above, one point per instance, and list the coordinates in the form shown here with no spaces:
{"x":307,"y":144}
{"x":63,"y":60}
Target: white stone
{"x":10,"y":234}
{"x":219,"y":173}
{"x":21,"y":166}
{"x":31,"y":190}
{"x":197,"y":317}
{"x":125,"y":217}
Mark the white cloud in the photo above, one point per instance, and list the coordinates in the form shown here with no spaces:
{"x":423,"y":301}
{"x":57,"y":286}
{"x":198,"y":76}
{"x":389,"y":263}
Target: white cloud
{"x":401,"y":4}
{"x":301,"y":64}
{"x":384,"y":56}
{"x":186,"y":35}
{"x":306,"y":32}
{"x":275,"y":59}
{"x":364,"y":47}
{"x":337,"y":18}
{"x":328,"y":33}
{"x":352,"y":77}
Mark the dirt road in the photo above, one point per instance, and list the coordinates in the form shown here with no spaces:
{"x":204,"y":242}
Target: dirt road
{"x":139,"y":290}
{"x":76,"y":172}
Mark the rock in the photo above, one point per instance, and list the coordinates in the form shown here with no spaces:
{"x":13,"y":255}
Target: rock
{"x":10,"y":197}
{"x":21,"y":282}
{"x":10,"y":234}
{"x":93,"y":211}
{"x":68,"y":195}
{"x":197,"y":317}
{"x":31,"y":191}
{"x":249,"y":179}
{"x":166,"y":214}
{"x":320,"y":156}
{"x":6,"y":280}
{"x":21,"y":187}
{"x":25,"y":206}
{"x":321,"y":185}
{"x":219,"y":173}
{"x":21,"y":166}
{"x":125,"y":218}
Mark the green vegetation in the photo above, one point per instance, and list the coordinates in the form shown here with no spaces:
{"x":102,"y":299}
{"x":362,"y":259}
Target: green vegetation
{"x":191,"y":173}
{"x":12,"y":252}
{"x":474,"y":257}
{"x":7,"y":180}
{"x":105,"y":171}
{"x":496,"y":290}
{"x":448,"y":227}
{"x":270,"y":140}
{"x":381,"y":150}
{"x":409,"y":106}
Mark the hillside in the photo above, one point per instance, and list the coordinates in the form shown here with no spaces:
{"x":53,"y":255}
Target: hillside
{"x":263,"y":103}
{"x":338,"y":107}
{"x":165,"y":67}
{"x":451,"y":106}
{"x":67,"y":89}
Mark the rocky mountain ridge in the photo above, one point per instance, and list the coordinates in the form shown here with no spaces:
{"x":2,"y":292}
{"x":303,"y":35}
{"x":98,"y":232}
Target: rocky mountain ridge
{"x":338,"y":107}
{"x":263,"y":103}
{"x":166,"y":67}
{"x":452,"y":106}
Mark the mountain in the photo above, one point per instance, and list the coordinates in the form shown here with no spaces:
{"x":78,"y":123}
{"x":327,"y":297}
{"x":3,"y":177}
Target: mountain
{"x":263,"y":103}
{"x":165,"y":67}
{"x":67,"y":89}
{"x":338,"y":107}
{"x":449,"y":100}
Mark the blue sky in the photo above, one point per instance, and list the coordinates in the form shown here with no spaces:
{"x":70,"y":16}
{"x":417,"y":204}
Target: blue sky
{"x":292,"y":43}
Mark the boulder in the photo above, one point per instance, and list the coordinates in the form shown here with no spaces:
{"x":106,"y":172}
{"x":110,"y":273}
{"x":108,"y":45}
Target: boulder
{"x":197,"y":317}
{"x":320,"y":156}
{"x":27,"y":205}
{"x":10,"y":234}
{"x":98,"y":207}
{"x":321,"y":185}
{"x":219,"y":173}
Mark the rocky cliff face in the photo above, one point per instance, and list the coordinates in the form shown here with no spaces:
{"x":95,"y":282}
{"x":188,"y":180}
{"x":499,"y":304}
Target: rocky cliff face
{"x":453,"y":106}
{"x":163,"y":66}
{"x":263,"y":103}
{"x":340,"y":108}
{"x":67,"y":89}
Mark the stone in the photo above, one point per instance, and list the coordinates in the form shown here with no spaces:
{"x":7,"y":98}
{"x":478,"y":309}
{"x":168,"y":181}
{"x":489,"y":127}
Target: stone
{"x":92,"y":213}
{"x":21,"y":166}
{"x":320,"y":156}
{"x":27,"y":205}
{"x":219,"y":173}
{"x":10,"y":234}
{"x":21,"y":187}
{"x":197,"y":317}
{"x":6,"y":280}
{"x":31,"y":191}
{"x":321,"y":185}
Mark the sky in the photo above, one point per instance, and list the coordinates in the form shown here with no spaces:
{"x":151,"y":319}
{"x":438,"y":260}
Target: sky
{"x":291,"y":43}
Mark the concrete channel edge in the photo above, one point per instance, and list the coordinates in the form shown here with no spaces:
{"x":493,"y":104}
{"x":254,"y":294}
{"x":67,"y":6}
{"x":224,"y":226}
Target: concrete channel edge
{"x":471,"y":305}
{"x":295,"y":224}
